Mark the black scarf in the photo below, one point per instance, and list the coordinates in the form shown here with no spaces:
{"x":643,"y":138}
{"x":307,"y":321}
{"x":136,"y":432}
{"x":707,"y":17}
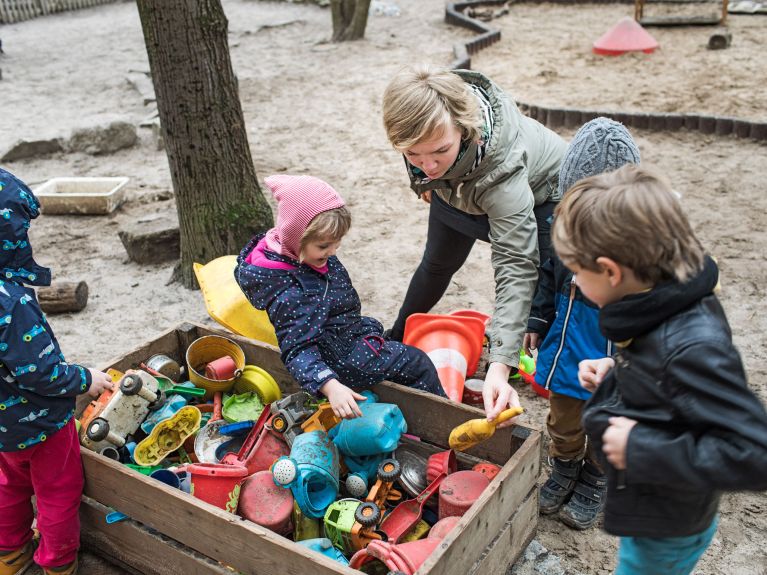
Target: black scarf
{"x":639,"y":313}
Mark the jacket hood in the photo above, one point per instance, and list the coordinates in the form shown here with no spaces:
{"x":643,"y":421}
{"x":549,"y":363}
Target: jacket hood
{"x":18,"y":206}
{"x":299,"y":200}
{"x":639,"y":313}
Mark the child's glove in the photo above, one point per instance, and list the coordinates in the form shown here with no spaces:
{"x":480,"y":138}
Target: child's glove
{"x":100,"y":382}
{"x":342,"y":399}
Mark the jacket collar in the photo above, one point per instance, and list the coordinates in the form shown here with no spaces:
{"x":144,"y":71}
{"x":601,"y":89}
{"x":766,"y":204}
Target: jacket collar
{"x":638,"y":314}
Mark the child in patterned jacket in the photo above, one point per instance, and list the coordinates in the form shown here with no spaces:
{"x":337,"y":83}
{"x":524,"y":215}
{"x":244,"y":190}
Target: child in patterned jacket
{"x":39,"y":449}
{"x":292,"y":273}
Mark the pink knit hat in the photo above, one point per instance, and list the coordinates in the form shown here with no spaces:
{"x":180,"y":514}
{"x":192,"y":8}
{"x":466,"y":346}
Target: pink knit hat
{"x":299,"y":200}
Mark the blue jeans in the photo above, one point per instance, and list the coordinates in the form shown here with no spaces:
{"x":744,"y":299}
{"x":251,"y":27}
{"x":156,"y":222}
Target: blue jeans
{"x":663,"y":556}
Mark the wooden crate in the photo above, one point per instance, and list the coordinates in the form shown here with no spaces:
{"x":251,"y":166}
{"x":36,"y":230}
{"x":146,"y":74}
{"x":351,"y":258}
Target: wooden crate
{"x":170,"y":532}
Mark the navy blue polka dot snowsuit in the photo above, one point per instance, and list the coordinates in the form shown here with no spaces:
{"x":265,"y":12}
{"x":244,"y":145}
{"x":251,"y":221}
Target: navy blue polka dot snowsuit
{"x":320,"y":330}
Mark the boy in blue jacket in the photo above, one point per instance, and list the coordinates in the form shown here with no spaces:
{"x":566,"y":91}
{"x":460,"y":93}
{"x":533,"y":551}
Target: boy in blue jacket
{"x":292,"y":273}
{"x":39,"y":448}
{"x":672,"y":416}
{"x":567,"y":324}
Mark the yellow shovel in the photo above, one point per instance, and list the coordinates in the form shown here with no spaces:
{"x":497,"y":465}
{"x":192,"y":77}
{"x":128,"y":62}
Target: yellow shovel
{"x":474,"y":431}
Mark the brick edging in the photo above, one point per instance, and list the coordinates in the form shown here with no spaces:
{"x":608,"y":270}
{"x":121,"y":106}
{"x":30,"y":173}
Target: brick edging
{"x":555,"y":117}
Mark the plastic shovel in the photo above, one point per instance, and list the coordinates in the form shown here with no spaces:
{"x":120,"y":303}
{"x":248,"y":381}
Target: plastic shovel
{"x":405,"y":516}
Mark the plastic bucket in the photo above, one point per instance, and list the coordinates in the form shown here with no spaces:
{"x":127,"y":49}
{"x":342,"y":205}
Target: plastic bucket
{"x":459,"y":491}
{"x":217,"y":484}
{"x":209,"y":348}
{"x":266,"y":504}
{"x":253,"y":378}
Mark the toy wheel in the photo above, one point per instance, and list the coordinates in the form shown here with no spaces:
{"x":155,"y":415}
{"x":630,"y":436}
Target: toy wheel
{"x":98,"y":429}
{"x":24,"y":400}
{"x":157,"y":403}
{"x":389,"y":470}
{"x":131,"y":384}
{"x":279,"y":423}
{"x":367,"y":514}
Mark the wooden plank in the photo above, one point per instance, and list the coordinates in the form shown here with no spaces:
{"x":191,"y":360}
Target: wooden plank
{"x":660,"y":21}
{"x":458,"y":551}
{"x":512,"y":541}
{"x":222,"y":536}
{"x":133,"y":547}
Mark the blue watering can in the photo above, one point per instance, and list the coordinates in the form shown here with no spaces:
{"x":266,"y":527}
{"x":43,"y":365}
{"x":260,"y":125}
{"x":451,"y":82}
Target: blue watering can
{"x":377,"y":431}
{"x":325,"y":546}
{"x":311,"y":472}
{"x":361,"y":470}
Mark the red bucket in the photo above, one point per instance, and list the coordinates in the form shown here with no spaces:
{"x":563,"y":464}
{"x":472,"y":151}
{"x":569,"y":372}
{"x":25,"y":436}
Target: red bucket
{"x":265,"y":503}
{"x":459,"y":491}
{"x":217,"y":484}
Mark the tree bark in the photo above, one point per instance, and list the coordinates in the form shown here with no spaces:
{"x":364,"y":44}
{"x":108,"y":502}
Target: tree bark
{"x":350,"y":17}
{"x":219,"y":203}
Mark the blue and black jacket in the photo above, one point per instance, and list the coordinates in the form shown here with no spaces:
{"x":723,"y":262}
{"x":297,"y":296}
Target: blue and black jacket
{"x":317,"y":317}
{"x":37,"y":386}
{"x":569,"y":324}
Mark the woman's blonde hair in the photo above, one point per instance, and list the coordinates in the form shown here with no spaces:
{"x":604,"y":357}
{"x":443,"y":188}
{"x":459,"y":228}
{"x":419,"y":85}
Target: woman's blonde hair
{"x":421,"y":102}
{"x":329,"y":225}
{"x":631,"y":216}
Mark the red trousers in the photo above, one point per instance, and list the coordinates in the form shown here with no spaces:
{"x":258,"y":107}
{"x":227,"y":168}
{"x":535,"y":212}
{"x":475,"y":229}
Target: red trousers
{"x":53,"y":472}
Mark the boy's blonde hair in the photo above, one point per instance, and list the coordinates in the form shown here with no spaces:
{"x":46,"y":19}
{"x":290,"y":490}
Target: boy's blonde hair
{"x":328,"y":225}
{"x":631,"y":216}
{"x":421,"y":102}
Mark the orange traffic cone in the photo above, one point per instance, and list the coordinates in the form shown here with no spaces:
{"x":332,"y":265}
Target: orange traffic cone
{"x":452,"y":342}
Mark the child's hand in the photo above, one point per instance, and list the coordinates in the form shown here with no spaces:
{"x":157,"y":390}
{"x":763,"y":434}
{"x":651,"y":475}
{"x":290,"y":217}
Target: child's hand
{"x":591,"y":372}
{"x":615,"y":439}
{"x":497,"y":394}
{"x":100,"y":382}
{"x":531,"y":342}
{"x":342,"y":399}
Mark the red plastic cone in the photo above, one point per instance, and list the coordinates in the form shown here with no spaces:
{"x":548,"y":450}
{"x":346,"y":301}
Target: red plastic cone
{"x":453,"y":343}
{"x":405,"y":557}
{"x":626,"y":36}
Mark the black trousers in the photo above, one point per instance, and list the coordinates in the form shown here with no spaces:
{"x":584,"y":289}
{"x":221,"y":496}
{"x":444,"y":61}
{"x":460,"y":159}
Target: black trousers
{"x":449,"y":240}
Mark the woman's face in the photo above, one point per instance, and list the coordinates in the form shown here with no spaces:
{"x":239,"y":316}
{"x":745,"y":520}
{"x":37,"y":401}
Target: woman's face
{"x":436,"y":154}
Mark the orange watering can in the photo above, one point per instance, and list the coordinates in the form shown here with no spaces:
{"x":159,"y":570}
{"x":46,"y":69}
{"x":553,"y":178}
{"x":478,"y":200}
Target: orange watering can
{"x":474,"y":431}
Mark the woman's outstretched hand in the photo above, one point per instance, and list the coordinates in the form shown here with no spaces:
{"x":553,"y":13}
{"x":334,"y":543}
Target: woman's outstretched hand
{"x":497,"y":394}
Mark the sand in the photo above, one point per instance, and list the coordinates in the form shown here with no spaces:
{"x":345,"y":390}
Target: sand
{"x":312,"y":107}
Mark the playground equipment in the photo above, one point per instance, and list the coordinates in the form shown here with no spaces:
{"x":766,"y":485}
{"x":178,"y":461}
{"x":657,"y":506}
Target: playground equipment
{"x":452,"y":342}
{"x":227,"y":304}
{"x":626,"y":36}
{"x":698,"y":20}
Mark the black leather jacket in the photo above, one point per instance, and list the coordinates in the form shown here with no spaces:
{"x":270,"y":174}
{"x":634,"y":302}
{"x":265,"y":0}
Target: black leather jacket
{"x":700,"y":429}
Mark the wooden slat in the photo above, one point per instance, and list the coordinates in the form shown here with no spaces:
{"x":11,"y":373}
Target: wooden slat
{"x":512,"y":541}
{"x":131,"y":546}
{"x":661,"y":21}
{"x":488,"y":515}
{"x":222,"y":536}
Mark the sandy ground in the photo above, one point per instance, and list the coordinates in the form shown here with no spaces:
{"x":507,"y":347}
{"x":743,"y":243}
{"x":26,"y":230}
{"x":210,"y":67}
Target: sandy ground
{"x":314,"y":108}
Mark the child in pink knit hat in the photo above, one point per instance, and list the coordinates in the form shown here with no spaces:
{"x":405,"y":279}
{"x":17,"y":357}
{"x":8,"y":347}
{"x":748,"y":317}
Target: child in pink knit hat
{"x":293,"y":274}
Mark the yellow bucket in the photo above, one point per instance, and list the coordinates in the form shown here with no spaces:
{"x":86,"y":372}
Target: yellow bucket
{"x":209,"y":348}
{"x":255,"y":379}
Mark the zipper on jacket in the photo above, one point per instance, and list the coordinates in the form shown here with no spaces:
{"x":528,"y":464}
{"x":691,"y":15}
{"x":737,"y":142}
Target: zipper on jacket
{"x":564,"y":333}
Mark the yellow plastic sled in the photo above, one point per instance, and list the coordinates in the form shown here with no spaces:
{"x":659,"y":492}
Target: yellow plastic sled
{"x":227,"y":304}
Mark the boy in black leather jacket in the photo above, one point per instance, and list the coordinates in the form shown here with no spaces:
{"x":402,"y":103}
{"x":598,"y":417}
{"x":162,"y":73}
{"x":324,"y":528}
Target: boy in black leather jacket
{"x":671,"y":412}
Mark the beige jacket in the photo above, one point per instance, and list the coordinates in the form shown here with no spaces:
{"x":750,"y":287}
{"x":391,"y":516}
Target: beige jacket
{"x":519,"y":171}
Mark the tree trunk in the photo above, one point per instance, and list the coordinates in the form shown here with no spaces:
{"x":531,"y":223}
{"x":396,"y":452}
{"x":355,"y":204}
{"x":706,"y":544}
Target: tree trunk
{"x":219,"y":202}
{"x":350,"y":17}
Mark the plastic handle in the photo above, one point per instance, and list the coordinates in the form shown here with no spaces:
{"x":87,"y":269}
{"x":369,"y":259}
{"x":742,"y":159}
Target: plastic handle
{"x":508,"y":414}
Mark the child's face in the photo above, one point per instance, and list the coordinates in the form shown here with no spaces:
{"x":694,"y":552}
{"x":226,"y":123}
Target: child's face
{"x":595,"y":285}
{"x":317,"y":252}
{"x":436,"y":154}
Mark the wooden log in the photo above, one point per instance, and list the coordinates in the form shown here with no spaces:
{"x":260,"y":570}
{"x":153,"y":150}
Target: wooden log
{"x":63,"y":297}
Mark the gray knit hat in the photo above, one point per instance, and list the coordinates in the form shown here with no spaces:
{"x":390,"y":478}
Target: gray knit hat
{"x":601,"y":145}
